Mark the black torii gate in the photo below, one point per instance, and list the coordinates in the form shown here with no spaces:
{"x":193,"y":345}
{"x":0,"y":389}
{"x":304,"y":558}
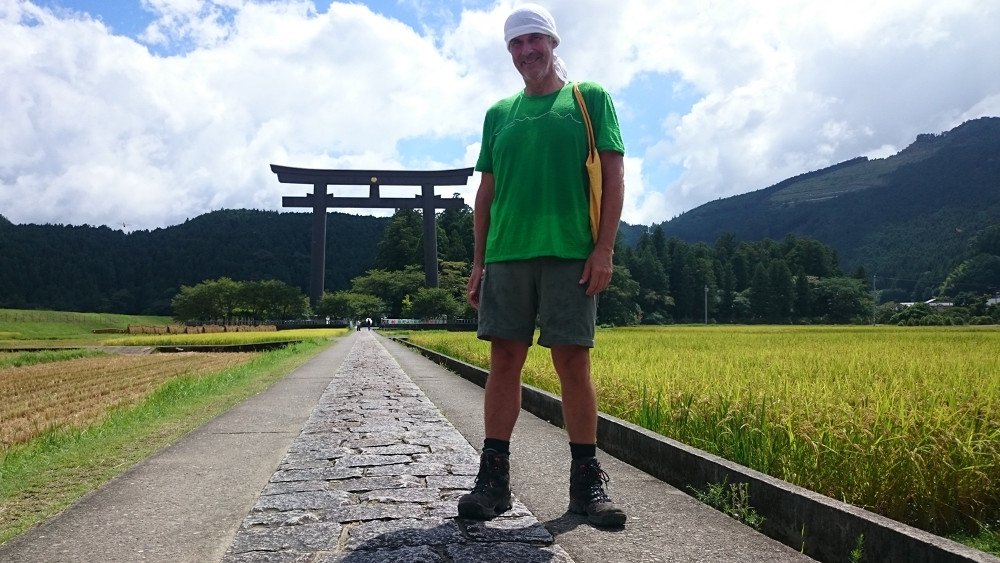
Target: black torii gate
{"x":320,"y":201}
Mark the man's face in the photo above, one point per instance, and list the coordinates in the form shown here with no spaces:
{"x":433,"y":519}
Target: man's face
{"x":532,"y":55}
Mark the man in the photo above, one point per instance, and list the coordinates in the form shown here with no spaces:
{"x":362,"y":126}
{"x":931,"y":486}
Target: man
{"x":535,"y":258}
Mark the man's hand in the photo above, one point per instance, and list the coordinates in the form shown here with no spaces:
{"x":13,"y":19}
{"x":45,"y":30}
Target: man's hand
{"x":597,"y":271}
{"x":475,"y":280}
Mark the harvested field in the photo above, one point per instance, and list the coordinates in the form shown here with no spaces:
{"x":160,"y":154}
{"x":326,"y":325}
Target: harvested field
{"x":77,"y":393}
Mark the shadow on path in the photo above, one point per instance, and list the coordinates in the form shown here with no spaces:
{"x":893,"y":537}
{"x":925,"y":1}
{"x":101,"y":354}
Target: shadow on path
{"x":569,"y":521}
{"x":455,"y":541}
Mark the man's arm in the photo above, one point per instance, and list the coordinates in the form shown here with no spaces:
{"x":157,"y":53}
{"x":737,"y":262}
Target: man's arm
{"x":480,"y":228}
{"x":597,"y":270}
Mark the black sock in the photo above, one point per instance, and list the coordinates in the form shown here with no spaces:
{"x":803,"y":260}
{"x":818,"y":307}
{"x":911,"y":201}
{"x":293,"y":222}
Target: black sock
{"x":582,"y":451}
{"x":499,"y":446}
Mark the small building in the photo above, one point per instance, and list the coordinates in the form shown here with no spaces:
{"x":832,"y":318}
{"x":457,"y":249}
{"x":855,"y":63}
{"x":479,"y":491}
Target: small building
{"x":933,"y":303}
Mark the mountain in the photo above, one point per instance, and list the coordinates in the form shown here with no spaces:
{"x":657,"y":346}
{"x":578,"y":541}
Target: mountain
{"x":84,"y":268}
{"x":908,"y":219}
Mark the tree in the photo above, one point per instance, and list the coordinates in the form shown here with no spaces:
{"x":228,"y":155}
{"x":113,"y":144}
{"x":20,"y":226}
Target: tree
{"x":454,"y":277}
{"x":684,"y":279}
{"x":226,"y":300}
{"x":742,"y":268}
{"x":647,"y":271}
{"x":270,"y":299}
{"x":782,"y":291}
{"x":402,"y":243}
{"x":616,"y":304}
{"x":811,"y":256}
{"x":988,"y":241}
{"x":286,"y":302}
{"x":455,"y":236}
{"x":913,"y":315}
{"x":196,"y":302}
{"x":760,"y":293}
{"x":726,"y":246}
{"x":742,"y":305}
{"x":659,"y":242}
{"x":227,"y":296}
{"x":390,"y":286}
{"x":727,"y":291}
{"x":802,"y":304}
{"x":981,"y":273}
{"x":842,"y":300}
{"x":432,"y":302}
{"x":350,"y":305}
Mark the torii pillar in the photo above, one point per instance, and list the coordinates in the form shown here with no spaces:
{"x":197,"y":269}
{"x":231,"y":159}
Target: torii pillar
{"x":320,"y":201}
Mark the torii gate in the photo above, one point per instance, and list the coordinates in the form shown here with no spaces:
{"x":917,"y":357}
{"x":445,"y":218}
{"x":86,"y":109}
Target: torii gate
{"x":320,"y":201}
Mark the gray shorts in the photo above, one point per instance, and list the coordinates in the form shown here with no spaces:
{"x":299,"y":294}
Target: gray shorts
{"x":514,"y":295}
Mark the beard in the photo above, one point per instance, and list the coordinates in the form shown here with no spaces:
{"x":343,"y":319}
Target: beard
{"x":535,"y":69}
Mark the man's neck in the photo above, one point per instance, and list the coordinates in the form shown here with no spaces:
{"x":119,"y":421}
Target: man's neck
{"x":551,"y":83}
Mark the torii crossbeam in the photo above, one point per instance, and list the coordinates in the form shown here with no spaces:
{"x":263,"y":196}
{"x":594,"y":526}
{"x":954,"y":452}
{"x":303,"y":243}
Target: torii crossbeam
{"x":320,"y":201}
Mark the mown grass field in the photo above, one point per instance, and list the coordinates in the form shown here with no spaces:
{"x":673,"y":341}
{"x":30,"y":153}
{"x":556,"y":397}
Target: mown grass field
{"x":58,"y":328}
{"x":70,"y":420}
{"x":902,"y":421}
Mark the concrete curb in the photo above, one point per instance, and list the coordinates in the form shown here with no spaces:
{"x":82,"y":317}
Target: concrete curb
{"x":821,"y":527}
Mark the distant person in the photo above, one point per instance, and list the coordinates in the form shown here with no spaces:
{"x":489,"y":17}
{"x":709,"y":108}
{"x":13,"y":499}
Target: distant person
{"x":368,"y":323}
{"x":535,"y":257}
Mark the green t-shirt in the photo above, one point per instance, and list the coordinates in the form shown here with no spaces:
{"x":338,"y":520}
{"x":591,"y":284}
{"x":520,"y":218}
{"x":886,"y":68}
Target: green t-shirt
{"x":535,"y":147}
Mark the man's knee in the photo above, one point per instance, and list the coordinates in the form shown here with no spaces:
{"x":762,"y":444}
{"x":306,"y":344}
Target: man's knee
{"x":571,"y":356}
{"x":507,"y":355}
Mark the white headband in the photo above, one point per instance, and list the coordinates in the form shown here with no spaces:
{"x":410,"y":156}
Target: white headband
{"x":529,"y":18}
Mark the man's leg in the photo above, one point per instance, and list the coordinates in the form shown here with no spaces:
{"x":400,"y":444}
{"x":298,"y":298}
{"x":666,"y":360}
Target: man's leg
{"x":490,"y":496}
{"x":502,"y":403}
{"x":579,"y":398}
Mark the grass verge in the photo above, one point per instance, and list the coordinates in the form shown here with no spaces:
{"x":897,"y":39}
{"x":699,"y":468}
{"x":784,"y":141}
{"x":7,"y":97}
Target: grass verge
{"x":733,"y":500}
{"x":41,"y":478}
{"x":988,"y":539}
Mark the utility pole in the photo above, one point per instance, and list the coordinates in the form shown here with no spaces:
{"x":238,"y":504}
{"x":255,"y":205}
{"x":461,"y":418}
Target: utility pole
{"x":706,"y":304}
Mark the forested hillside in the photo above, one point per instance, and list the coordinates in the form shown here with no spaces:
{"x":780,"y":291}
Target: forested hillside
{"x":84,"y":268}
{"x":908,"y":219}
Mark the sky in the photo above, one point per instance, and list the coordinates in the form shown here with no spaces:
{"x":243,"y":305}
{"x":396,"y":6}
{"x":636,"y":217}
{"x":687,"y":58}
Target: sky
{"x":141,"y":114}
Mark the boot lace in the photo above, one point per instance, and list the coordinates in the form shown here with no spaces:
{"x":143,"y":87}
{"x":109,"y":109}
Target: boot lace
{"x":490,"y":474}
{"x":592,"y":482}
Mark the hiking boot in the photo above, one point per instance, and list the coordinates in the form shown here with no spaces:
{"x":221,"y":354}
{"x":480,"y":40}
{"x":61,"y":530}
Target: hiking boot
{"x":587,"y":496}
{"x":490,"y":496}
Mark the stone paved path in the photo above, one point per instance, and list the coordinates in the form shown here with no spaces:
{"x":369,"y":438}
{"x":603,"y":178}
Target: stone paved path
{"x":375,"y":476}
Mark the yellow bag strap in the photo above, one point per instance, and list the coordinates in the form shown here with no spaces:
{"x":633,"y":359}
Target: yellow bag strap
{"x":586,"y":120}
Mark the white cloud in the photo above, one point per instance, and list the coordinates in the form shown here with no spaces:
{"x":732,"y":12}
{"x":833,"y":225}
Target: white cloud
{"x":122,"y":135}
{"x":101,"y":129}
{"x":202,"y":23}
{"x":788,"y":87}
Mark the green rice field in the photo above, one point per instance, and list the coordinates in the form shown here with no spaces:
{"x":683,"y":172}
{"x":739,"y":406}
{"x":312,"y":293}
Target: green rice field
{"x":62,"y":328}
{"x":902,"y":421}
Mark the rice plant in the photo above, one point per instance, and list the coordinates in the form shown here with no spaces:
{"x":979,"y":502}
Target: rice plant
{"x":224,"y":338}
{"x":902,"y":421}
